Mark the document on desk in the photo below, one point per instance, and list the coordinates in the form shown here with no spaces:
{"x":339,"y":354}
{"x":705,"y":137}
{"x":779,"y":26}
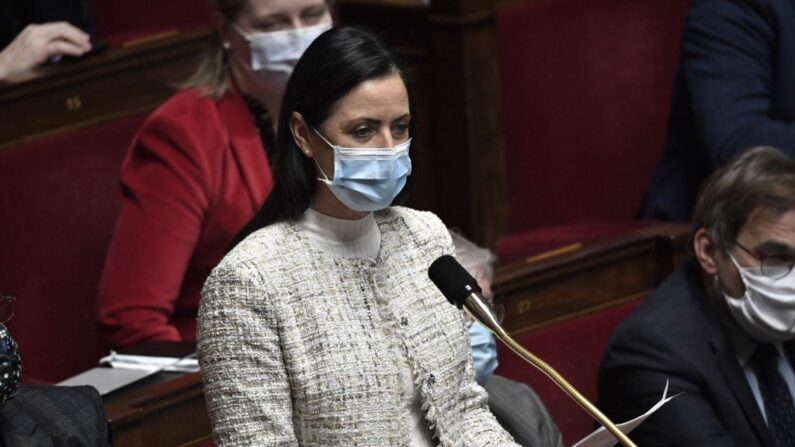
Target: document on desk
{"x":126,"y":369}
{"x":106,"y":380}
{"x":187,"y":364}
{"x":603,"y":438}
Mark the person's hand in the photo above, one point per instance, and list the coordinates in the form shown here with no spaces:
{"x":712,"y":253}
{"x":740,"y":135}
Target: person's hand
{"x":38,"y":43}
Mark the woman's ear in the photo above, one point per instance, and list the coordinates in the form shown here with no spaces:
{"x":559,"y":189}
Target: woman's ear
{"x":706,"y":251}
{"x":300,"y":131}
{"x":220,"y":25}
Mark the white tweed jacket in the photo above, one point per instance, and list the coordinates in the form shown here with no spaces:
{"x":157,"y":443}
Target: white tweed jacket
{"x":299,"y":348}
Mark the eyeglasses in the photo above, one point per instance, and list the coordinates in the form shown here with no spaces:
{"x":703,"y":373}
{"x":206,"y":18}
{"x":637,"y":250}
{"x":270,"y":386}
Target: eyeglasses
{"x":773,"y":266}
{"x":6,"y":308}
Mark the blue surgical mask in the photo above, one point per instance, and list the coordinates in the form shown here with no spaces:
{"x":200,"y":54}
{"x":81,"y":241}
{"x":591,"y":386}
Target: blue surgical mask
{"x":484,"y":352}
{"x":368,"y":179}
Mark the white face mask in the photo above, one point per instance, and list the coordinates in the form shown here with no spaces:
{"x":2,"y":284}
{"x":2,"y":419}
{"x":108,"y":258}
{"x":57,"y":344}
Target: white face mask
{"x":274,"y":54}
{"x":767,"y":310}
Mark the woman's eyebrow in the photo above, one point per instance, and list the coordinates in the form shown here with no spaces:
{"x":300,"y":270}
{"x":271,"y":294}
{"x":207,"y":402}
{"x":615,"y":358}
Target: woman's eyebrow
{"x":267,"y":18}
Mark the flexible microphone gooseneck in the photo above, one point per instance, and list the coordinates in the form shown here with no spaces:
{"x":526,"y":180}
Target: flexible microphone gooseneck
{"x":461,"y":289}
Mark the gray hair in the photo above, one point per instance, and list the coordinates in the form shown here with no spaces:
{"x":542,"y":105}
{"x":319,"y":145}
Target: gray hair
{"x":471,"y":256}
{"x":761,"y":178}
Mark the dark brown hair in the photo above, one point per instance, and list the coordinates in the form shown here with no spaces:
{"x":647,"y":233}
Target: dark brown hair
{"x":761,"y":178}
{"x":334,"y":64}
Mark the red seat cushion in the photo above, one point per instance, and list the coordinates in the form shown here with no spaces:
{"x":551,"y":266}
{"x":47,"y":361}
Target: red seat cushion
{"x":59,"y":197}
{"x":516,"y":246}
{"x":574,"y":348}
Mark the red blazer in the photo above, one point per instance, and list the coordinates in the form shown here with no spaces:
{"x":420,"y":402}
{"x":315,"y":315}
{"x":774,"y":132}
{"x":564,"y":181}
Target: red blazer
{"x":195,"y":174}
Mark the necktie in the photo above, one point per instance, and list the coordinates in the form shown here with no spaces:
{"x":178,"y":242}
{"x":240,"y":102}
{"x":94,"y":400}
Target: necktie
{"x":776,"y":396}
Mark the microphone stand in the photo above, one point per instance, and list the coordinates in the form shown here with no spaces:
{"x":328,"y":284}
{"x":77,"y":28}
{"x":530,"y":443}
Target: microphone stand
{"x":481,"y":312}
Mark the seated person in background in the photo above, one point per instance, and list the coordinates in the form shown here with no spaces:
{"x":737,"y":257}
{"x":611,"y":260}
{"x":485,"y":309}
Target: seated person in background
{"x":517,"y":407}
{"x":721,"y":329}
{"x":44,"y":415}
{"x":54,"y":416}
{"x":322,"y":327}
{"x":198,"y":170}
{"x":37,"y":44}
{"x":734,"y":91}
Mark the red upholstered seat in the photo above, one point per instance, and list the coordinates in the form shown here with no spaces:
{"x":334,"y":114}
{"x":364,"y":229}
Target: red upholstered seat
{"x":59,"y":197}
{"x":586,"y":91}
{"x":574,"y":348}
{"x":118,"y":21}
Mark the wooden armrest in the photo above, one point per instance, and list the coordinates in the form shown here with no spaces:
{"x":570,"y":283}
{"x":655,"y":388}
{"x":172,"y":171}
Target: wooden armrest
{"x":596,"y":276}
{"x":118,"y":82}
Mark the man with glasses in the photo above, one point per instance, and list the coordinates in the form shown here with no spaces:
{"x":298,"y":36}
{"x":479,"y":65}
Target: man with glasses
{"x":721,"y":329}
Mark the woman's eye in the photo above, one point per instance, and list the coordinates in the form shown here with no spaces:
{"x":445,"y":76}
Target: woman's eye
{"x":314,"y":13}
{"x":400,"y":129}
{"x":362,"y":132}
{"x":266,"y":27}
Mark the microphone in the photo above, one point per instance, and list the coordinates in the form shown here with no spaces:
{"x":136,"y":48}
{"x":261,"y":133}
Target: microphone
{"x":462,"y":290}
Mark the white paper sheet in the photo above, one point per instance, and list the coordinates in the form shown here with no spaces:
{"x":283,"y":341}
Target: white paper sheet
{"x":603,"y":438}
{"x":153,"y":364}
{"x":106,"y":380}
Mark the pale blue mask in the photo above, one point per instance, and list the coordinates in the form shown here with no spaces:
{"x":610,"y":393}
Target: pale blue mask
{"x":484,"y":352}
{"x":368,"y":179}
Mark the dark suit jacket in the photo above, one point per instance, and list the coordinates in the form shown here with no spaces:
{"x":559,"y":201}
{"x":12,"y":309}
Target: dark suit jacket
{"x":53,"y":416}
{"x":196,"y":173}
{"x":735,"y":89}
{"x":676,"y":335}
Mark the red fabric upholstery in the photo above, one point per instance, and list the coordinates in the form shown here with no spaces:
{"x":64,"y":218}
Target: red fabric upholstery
{"x":574,"y":348}
{"x":517,"y":246}
{"x":586,"y":92}
{"x":119,"y":20}
{"x":59,"y":197}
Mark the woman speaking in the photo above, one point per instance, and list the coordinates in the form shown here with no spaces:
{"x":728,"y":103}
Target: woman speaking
{"x":321,"y":326}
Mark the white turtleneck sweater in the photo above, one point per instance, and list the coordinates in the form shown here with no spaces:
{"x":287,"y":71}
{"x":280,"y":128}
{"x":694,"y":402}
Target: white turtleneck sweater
{"x":342,"y":238}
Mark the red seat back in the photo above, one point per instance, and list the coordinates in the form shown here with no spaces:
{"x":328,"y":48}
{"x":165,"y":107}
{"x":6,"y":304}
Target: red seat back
{"x":586,"y":92}
{"x":120,"y":20}
{"x":59,"y":198}
{"x":574,"y":348}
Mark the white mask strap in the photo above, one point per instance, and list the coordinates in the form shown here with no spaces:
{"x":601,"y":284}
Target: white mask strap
{"x":325,"y":178}
{"x":323,"y":138}
{"x":243,"y":33}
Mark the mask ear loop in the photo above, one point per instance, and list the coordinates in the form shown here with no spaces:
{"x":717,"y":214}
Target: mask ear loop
{"x":325,"y":178}
{"x":243,"y":33}
{"x":739,"y":272}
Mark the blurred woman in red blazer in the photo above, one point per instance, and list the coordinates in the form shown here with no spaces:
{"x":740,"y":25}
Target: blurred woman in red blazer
{"x":198,"y":170}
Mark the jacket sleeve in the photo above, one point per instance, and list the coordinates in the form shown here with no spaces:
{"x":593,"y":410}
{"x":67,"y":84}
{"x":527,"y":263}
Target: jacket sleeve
{"x":477,"y":425}
{"x":166,"y":188}
{"x":636,"y":367}
{"x":245,"y":380}
{"x":730,"y":68}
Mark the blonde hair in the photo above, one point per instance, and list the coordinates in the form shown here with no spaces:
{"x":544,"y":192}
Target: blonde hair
{"x":212,"y":76}
{"x":473,"y":257}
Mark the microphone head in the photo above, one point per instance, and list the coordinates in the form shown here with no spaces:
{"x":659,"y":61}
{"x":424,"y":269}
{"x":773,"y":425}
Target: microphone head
{"x":455,"y":283}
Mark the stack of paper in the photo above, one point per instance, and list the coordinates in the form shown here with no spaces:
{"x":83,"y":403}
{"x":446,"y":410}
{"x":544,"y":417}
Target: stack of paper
{"x":148,"y":363}
{"x":127,"y":369}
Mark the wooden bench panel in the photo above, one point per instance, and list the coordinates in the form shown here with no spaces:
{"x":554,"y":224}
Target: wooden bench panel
{"x":598,"y":276}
